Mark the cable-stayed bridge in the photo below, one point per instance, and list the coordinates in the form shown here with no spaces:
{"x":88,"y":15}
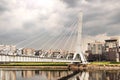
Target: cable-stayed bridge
{"x":68,"y":40}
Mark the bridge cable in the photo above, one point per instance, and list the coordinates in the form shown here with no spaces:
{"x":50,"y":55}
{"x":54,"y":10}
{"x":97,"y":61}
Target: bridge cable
{"x":71,"y":33}
{"x":52,"y":39}
{"x":59,"y":38}
{"x":33,"y":37}
{"x":35,"y":40}
{"x":66,"y":38}
{"x":62,"y":40}
{"x":73,"y":41}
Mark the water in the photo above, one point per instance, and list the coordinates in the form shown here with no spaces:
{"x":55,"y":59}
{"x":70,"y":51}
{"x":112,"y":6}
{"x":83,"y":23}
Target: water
{"x":15,"y":74}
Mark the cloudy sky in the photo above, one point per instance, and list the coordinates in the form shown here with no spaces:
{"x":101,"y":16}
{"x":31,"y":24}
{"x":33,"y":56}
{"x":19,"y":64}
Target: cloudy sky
{"x":27,"y":19}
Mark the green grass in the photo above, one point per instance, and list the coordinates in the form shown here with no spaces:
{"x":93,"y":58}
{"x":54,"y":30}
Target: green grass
{"x":114,"y":62}
{"x":105,"y":63}
{"x":35,"y":64}
{"x":100,"y":62}
{"x":53,"y":63}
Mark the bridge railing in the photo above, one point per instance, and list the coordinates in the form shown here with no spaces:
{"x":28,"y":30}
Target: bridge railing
{"x":16,"y":58}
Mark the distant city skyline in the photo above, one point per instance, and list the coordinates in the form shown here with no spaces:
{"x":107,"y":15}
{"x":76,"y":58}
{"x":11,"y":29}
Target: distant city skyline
{"x":21,"y":19}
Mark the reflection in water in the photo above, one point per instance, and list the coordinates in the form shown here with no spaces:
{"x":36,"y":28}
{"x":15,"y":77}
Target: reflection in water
{"x":58,"y":75}
{"x":7,"y":75}
{"x":104,"y":75}
{"x":32,"y":75}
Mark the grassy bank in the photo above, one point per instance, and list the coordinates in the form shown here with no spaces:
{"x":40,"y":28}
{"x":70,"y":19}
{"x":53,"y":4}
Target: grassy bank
{"x":35,"y":64}
{"x":53,"y":63}
{"x":105,"y":63}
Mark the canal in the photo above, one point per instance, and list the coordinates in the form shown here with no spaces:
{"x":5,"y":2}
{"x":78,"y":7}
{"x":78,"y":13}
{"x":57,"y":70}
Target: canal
{"x":31,"y":74}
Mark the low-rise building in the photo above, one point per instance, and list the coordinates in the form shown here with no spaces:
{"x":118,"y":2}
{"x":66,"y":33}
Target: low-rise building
{"x":28,"y":51}
{"x":7,"y":49}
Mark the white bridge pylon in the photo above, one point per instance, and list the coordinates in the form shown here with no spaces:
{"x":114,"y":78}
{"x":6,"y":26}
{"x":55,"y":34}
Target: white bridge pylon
{"x":78,"y":53}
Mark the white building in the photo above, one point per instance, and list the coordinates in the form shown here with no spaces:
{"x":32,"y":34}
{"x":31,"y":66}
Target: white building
{"x":7,"y":49}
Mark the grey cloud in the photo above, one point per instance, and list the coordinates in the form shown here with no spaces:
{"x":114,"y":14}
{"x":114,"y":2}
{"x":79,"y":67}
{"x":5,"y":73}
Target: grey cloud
{"x":113,"y":31}
{"x":95,"y":30}
{"x":28,"y":25}
{"x":3,"y":6}
{"x":91,"y":0}
{"x":92,"y":16}
{"x":93,"y":13}
{"x":115,"y":19}
{"x":102,"y":18}
{"x":13,"y":37}
{"x":99,"y":17}
{"x":71,"y":3}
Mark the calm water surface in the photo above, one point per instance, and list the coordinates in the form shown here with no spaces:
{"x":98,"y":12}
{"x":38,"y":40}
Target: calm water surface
{"x":10,"y":74}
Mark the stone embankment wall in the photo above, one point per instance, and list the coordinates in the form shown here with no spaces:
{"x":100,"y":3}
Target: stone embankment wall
{"x":94,"y":67}
{"x":70,"y":67}
{"x":36,"y":67}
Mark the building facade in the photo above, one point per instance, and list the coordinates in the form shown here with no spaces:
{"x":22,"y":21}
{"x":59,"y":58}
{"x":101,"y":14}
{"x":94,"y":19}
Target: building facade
{"x":28,"y":51}
{"x":107,"y":51}
{"x":96,"y":47}
{"x":112,"y":49}
{"x":95,"y":50}
{"x":7,"y":49}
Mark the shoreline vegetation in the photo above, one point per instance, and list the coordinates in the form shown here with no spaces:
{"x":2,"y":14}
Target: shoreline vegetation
{"x":34,"y":64}
{"x":105,"y":63}
{"x":98,"y":66}
{"x":53,"y":63}
{"x":62,"y":65}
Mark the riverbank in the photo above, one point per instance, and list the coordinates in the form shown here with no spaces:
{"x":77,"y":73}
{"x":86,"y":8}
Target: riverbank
{"x":104,"y":65}
{"x":62,"y":66}
{"x":97,"y":66}
{"x":36,"y":65}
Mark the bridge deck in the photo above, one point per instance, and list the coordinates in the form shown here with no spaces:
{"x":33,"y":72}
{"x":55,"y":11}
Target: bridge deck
{"x":12,"y":58}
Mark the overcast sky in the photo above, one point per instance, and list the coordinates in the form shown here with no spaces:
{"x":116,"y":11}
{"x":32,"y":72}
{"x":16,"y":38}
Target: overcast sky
{"x":21,"y":19}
